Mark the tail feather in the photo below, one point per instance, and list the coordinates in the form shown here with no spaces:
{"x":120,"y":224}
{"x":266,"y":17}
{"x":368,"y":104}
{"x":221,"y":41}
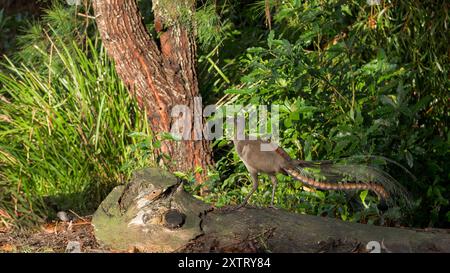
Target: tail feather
{"x":351,"y":173}
{"x":325,"y":185}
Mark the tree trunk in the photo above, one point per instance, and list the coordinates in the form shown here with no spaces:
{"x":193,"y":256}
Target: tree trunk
{"x":159,"y":77}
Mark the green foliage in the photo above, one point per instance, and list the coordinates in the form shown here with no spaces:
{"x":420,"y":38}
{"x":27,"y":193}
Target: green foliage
{"x":352,"y":79}
{"x":211,"y":30}
{"x":67,"y":136}
{"x":225,"y":30}
{"x":60,"y":22}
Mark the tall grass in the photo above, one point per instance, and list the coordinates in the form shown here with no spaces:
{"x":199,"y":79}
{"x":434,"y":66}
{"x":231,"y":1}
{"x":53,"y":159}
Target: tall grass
{"x":67,"y":136}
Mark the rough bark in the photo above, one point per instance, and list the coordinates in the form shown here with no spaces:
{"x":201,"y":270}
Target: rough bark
{"x":154,"y":214}
{"x":160,"y":77}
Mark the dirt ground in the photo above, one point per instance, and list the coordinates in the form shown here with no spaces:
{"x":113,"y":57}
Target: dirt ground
{"x":53,"y":237}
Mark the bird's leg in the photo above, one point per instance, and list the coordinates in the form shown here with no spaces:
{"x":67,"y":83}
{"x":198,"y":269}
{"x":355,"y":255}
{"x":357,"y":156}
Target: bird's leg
{"x":254,"y":176}
{"x":274,"y":186}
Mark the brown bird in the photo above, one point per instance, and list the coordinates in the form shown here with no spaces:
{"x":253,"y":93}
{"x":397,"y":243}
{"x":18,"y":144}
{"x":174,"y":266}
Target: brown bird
{"x":338,"y":176}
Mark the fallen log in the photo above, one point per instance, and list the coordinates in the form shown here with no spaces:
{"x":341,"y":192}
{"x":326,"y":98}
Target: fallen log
{"x":153,"y":213}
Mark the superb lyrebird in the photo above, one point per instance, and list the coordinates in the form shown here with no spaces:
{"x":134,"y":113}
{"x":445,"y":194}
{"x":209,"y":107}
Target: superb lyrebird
{"x":327,"y":175}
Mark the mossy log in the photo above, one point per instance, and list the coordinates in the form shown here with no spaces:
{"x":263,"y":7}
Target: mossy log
{"x":153,"y":213}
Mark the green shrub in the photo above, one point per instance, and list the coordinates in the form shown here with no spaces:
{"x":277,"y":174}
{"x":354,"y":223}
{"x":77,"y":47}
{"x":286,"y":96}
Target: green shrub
{"x":352,"y":80}
{"x":66,"y":136}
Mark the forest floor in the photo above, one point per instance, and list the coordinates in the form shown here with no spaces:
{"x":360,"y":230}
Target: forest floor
{"x":54,"y":237}
{"x":60,"y":237}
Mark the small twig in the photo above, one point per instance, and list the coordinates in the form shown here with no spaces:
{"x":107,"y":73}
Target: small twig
{"x":86,"y":15}
{"x":81,"y":224}
{"x":71,"y":211}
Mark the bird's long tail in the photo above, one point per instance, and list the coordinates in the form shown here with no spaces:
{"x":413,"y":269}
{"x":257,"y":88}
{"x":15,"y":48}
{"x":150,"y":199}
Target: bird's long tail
{"x":348,"y":185}
{"x":347,"y":175}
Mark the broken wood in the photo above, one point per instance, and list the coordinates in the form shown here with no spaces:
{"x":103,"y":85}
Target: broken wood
{"x":153,"y":213}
